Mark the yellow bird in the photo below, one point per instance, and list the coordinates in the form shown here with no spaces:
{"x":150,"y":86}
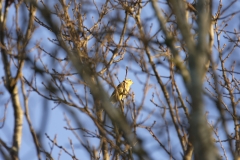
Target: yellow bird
{"x":121,"y":91}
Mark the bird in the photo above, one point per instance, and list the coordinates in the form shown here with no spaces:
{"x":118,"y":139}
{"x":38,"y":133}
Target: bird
{"x":121,"y":91}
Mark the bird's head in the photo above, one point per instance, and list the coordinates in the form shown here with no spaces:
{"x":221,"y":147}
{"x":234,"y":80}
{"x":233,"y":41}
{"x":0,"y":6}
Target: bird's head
{"x":128,"y":81}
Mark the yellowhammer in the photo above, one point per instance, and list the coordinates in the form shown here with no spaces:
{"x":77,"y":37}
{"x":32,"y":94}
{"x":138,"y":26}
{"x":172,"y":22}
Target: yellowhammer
{"x":121,"y":91}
